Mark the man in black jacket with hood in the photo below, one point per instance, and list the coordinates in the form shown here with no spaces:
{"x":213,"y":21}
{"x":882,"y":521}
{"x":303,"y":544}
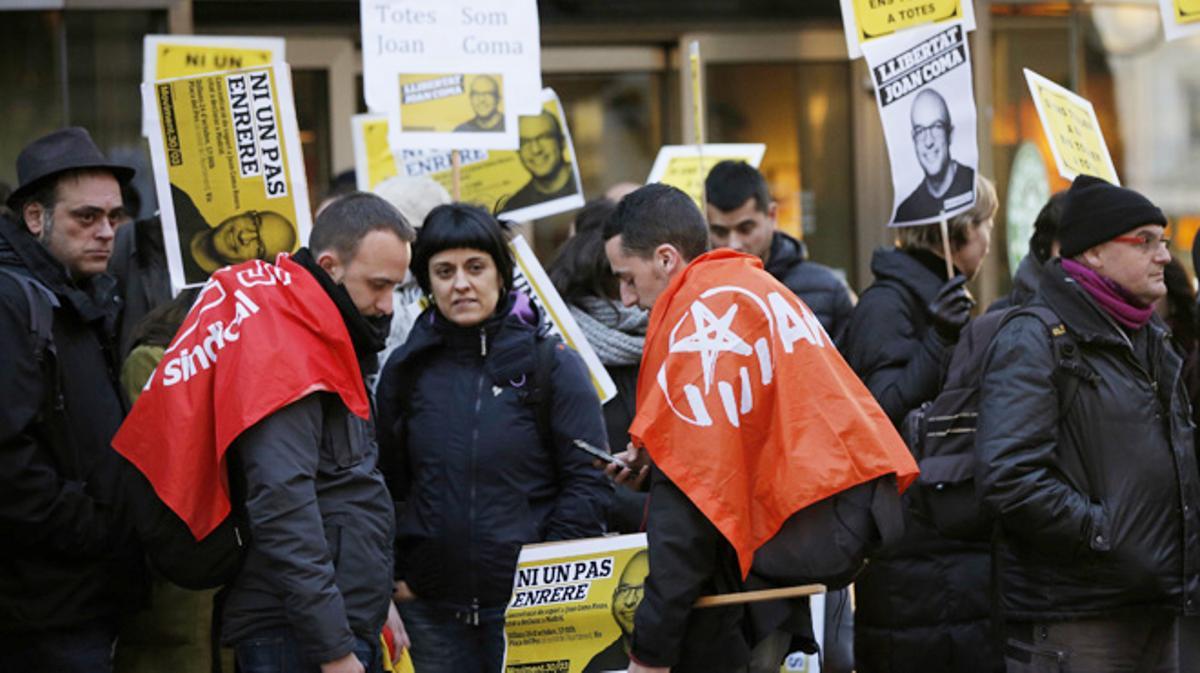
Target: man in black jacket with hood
{"x":742,"y":215}
{"x":1085,"y":452}
{"x":69,"y":568}
{"x":315,"y":588}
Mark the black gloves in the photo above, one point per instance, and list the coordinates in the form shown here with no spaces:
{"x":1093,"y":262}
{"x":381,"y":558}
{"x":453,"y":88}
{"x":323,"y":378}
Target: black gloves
{"x":951,"y":308}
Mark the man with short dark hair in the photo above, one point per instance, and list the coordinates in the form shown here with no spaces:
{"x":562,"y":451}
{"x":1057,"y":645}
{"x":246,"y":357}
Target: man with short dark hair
{"x":316,"y":583}
{"x":1085,"y":451}
{"x":743,"y":216}
{"x":484,"y":95}
{"x":70,"y":568}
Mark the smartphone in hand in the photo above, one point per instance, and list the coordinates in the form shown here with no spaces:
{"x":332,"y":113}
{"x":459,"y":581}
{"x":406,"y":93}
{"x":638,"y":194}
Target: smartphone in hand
{"x":601,"y":454}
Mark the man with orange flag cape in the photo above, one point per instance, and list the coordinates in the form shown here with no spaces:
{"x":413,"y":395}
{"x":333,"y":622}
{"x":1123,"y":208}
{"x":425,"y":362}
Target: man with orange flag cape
{"x":266,"y":378}
{"x":748,"y":412}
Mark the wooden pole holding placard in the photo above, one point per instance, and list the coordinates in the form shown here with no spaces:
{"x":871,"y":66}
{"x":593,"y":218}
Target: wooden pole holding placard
{"x":455,"y":174}
{"x":946,"y":248}
{"x":740,"y":597}
{"x":698,"y":116}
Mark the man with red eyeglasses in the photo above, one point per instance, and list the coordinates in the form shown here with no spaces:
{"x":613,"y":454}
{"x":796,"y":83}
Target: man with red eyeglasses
{"x":1085,"y":452}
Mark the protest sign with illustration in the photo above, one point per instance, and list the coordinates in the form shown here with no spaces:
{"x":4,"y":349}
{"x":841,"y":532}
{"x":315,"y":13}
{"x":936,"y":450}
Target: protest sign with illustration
{"x":1181,"y":18}
{"x":450,"y":73}
{"x":228,"y":170}
{"x":530,"y":278}
{"x":171,"y":56}
{"x":924,"y":91}
{"x":539,"y":179}
{"x":686,"y":166}
{"x":1073,"y":130}
{"x":867,"y":20}
{"x":573,"y":603}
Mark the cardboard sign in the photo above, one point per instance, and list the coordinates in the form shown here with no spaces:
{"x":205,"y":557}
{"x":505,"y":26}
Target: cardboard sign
{"x":538,"y":180}
{"x":451,"y":73}
{"x":228,"y":170}
{"x":171,"y":56}
{"x":867,"y":20}
{"x":1181,"y":18}
{"x":573,"y":603}
{"x":686,"y":166}
{"x":1073,"y":130}
{"x":530,"y":278}
{"x":924,"y":91}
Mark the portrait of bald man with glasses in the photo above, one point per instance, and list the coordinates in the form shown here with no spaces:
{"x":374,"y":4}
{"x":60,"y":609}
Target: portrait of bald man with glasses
{"x":947,"y":184}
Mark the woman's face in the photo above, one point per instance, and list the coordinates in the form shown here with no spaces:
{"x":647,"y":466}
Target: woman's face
{"x":969,"y":258}
{"x":465,"y":284}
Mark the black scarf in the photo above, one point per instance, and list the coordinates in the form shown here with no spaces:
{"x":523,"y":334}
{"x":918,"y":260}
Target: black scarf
{"x":365,"y":333}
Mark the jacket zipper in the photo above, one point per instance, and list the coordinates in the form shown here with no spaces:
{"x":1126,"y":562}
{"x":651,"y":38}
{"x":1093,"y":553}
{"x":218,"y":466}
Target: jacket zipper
{"x":473,"y":619}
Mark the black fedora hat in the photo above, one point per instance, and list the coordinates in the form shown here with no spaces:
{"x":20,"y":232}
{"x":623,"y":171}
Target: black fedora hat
{"x":62,"y":150}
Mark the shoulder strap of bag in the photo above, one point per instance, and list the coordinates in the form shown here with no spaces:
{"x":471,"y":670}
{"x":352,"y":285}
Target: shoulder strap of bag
{"x":1069,"y":371}
{"x":543,"y":386}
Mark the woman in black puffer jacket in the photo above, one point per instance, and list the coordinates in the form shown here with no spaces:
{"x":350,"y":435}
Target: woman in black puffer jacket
{"x":924,"y":604}
{"x":478,"y":466}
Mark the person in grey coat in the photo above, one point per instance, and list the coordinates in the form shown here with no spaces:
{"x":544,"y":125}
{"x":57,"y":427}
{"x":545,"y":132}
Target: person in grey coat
{"x":315,"y":588}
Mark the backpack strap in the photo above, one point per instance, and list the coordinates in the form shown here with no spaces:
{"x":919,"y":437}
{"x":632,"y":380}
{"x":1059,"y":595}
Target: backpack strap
{"x":542,"y":397}
{"x":42,"y":301}
{"x":1069,"y":370}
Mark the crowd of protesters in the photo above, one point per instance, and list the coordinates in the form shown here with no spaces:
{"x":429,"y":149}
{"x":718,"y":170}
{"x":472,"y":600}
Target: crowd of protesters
{"x":410,"y":521}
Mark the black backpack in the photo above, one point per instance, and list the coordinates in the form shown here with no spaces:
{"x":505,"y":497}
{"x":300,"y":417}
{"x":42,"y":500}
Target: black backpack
{"x":941,"y":432}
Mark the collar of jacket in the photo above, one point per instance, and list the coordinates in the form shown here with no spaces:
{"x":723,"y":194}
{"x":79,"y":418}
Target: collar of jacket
{"x":93,"y":298}
{"x":786,"y":252}
{"x":906,"y":269}
{"x":1080,"y":313}
{"x":505,"y":342}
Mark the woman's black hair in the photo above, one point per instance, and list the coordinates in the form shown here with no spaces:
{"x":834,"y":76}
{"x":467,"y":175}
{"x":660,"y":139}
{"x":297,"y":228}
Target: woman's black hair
{"x":458,"y":225}
{"x":580,"y":269}
{"x":159,"y":325}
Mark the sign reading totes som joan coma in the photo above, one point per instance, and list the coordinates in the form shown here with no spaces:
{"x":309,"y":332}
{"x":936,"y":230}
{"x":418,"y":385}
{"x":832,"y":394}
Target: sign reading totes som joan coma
{"x":486,"y":52}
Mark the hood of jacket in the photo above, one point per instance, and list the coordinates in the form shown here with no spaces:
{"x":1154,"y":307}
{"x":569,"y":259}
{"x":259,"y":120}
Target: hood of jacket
{"x":911,"y":269}
{"x":786,"y":252}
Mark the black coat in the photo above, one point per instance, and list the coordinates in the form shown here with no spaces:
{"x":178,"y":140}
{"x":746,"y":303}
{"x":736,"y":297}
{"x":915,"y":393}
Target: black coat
{"x":468,"y":462}
{"x":1025,"y":284}
{"x":1101,"y":509}
{"x":822,"y":291}
{"x":68,"y":552}
{"x":139,"y":264}
{"x":923,"y":604}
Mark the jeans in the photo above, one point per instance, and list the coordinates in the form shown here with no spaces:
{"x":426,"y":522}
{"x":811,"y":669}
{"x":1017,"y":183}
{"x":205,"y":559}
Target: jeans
{"x":444,"y":639}
{"x":82,"y":648}
{"x":278,"y":651}
{"x":1138,"y":642}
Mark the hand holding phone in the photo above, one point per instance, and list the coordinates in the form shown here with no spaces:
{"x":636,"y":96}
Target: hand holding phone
{"x":601,"y":454}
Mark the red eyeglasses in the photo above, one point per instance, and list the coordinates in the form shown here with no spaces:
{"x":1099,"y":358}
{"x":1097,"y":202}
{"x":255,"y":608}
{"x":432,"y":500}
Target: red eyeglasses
{"x":1146,"y":242}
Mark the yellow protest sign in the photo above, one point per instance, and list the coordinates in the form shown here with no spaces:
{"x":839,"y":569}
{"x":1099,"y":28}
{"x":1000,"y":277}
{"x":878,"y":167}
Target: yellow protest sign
{"x":1187,"y":11}
{"x":686,"y":166}
{"x":1181,"y":18}
{"x":172,"y":56}
{"x":228,"y":170}
{"x":1073,"y":130}
{"x":573,"y":603}
{"x":866,"y":20}
{"x":537,"y":180}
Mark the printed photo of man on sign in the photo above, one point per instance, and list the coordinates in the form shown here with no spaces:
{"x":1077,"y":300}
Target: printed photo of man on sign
{"x":452,"y":103}
{"x":484,"y":94}
{"x":543,"y":154}
{"x":926,"y":101}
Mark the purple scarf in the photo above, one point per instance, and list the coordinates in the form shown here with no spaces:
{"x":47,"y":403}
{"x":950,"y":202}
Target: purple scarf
{"x":1112,"y":297}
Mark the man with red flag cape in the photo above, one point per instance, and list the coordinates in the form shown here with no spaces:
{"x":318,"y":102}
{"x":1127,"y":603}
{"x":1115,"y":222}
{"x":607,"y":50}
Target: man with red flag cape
{"x":263,"y":386}
{"x":748,"y":414}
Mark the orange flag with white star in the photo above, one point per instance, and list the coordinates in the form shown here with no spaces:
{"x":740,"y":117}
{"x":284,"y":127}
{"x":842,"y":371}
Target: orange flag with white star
{"x":746,"y":405}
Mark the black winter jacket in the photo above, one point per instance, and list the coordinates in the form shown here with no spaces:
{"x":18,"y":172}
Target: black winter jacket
{"x":924,"y":603}
{"x":139,"y":263}
{"x":68,"y":552}
{"x":819,"y":287}
{"x":465,"y":456}
{"x":321,"y":528}
{"x":1101,"y":508}
{"x":1025,"y":284}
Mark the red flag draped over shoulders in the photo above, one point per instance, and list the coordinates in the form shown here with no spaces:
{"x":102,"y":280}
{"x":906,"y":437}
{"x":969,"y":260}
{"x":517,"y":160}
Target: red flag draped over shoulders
{"x":259,"y":337}
{"x":746,"y":405}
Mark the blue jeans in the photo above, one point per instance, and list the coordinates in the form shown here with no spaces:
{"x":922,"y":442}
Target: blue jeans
{"x":444,"y":639}
{"x":278,"y":651}
{"x":82,"y":648}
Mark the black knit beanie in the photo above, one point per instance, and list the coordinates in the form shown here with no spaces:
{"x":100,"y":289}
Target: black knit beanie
{"x":1096,"y":211}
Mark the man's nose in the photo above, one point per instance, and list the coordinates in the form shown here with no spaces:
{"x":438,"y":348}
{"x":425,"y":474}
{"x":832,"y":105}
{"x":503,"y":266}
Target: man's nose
{"x":628,"y":296}
{"x":106,"y":231}
{"x":384,"y":303}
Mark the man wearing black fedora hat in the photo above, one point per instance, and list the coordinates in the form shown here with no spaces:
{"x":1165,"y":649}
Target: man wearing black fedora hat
{"x":70,"y":565}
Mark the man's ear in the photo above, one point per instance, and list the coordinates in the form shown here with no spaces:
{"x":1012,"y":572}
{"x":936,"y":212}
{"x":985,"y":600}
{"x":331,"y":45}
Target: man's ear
{"x":773,"y":214}
{"x":1092,"y":258}
{"x":329,"y":261}
{"x":667,"y":257}
{"x":33,"y":214}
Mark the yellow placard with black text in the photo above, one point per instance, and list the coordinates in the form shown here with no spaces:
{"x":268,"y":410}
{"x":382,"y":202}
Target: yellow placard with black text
{"x":686,"y":166}
{"x":868,"y":20}
{"x":1073,"y":130}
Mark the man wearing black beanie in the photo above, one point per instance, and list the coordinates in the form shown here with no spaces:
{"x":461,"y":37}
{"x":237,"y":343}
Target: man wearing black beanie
{"x":1085,"y":451}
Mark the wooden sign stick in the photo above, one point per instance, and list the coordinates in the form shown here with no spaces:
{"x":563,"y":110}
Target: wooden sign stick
{"x":456,"y":174}
{"x":720,"y":600}
{"x":946,"y":249}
